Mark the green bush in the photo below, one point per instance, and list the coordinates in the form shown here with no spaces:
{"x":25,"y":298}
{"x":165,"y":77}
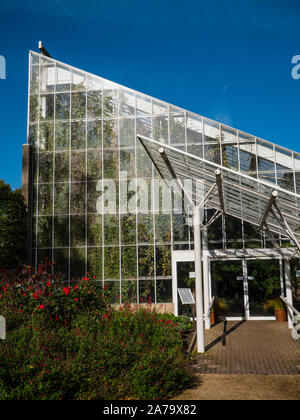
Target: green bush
{"x":65,"y":342}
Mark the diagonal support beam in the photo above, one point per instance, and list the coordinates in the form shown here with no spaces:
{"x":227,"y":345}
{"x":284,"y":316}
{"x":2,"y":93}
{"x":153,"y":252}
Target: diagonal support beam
{"x":174,"y":176}
{"x":220,"y":189}
{"x":271,"y":203}
{"x":273,"y":208}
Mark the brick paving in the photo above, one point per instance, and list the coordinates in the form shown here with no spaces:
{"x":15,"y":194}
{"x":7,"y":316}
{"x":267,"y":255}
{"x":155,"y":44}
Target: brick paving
{"x":251,"y":347}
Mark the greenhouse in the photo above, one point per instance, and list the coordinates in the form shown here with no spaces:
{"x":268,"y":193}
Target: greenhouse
{"x":95,"y":179}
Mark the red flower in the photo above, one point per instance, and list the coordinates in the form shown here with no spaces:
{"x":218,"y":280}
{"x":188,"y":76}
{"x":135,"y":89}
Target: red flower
{"x":66,"y":290}
{"x":42,"y":306}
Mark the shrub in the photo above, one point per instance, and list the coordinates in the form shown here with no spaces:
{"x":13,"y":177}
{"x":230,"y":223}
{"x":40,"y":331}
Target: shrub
{"x":64,"y":341}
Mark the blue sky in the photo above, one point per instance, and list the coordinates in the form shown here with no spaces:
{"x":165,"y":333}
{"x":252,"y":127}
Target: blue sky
{"x":230,"y":61}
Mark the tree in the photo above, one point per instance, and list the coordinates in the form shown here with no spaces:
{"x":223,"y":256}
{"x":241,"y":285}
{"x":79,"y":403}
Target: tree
{"x":12,"y":227}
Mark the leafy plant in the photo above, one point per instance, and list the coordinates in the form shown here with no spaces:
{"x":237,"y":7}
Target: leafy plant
{"x":274,"y":304}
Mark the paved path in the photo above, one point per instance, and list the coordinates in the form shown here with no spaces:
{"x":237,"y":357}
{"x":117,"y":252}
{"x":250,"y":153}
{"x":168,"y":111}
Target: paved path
{"x":252,"y":347}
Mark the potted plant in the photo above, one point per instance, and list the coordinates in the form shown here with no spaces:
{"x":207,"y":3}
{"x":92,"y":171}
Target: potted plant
{"x":277,"y":305}
{"x":219,"y":307}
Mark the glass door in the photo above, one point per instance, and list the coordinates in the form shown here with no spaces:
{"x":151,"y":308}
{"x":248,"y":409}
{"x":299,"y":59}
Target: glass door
{"x":263,"y":284}
{"x":228,"y":287}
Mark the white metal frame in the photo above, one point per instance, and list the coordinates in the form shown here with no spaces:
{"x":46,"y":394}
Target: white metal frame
{"x":230,"y":255}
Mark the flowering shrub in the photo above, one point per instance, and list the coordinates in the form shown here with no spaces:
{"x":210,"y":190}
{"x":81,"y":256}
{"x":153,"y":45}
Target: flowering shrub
{"x":64,"y":341}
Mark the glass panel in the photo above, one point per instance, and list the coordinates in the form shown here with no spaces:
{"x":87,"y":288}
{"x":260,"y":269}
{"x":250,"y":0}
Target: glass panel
{"x":285,"y":178}
{"x":47,"y":107}
{"x":110,"y":163}
{"x":94,"y":104}
{"x":160,"y":129}
{"x":77,"y":230}
{"x":45,"y":167}
{"x":227,"y":288}
{"x":146,"y":261}
{"x":62,"y":135}
{"x":145,"y":228}
{"x":234,"y":234}
{"x":112,"y":291}
{"x":128,"y":229}
{"x":194,"y":129}
{"x":110,"y":99}
{"x":47,"y":78}
{"x":266,"y":165}
{"x":78,"y":105}
{"x":180,"y":228}
{"x":128,"y":262}
{"x":248,"y":162}
{"x":61,"y":198}
{"x":127,"y":162}
{"x":111,"y":229}
{"x":61,"y":261}
{"x":61,"y":231}
{"x":46,"y":136}
{"x":143,"y":127}
{"x":34,"y":79}
{"x":147,"y":291}
{"x":144,"y":164}
{"x":78,"y":133}
{"x":94,"y":262}
{"x":94,"y":164}
{"x":78,"y":197}
{"x":127,"y":102}
{"x":164,"y":291}
{"x":79,"y":81}
{"x":127,"y":132}
{"x":94,"y":230}
{"x":111,"y":262}
{"x":45,"y":199}
{"x":129,"y":291}
{"x":177,"y":129}
{"x":33,"y":134}
{"x":94,"y":134}
{"x":163,"y":228}
{"x":93,"y":197}
{"x":264,"y":286}
{"x":252,"y":236}
{"x":62,"y":166}
{"x":33,"y":108}
{"x":62,"y":110}
{"x":44,"y":232}
{"x":159,"y":108}
{"x":78,"y":170}
{"x":110,"y":133}
{"x":143,"y":105}
{"x":212,"y":141}
{"x":163,"y":260}
{"x":63,"y":78}
{"x":77,"y":263}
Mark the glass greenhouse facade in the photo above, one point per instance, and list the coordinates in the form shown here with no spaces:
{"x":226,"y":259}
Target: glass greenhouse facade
{"x":82,"y":129}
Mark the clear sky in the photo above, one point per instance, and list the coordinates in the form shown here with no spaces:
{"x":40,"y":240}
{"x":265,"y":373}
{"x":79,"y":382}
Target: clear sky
{"x":227,"y":60}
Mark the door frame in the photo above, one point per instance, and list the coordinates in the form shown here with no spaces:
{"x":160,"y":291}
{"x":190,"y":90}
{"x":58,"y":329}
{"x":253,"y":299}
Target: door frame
{"x":229,"y":255}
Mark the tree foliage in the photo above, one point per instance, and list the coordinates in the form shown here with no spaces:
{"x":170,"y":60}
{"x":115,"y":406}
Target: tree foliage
{"x":12,"y":226}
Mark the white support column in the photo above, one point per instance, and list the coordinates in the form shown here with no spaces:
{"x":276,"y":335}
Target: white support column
{"x":198,"y":279}
{"x":206,"y":285}
{"x":246,"y":288}
{"x":288,"y":288}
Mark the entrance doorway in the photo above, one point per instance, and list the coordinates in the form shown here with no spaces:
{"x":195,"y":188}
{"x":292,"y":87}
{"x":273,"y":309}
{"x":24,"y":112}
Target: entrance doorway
{"x":240,"y":285}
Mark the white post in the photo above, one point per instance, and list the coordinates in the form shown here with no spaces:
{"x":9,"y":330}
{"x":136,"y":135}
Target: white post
{"x":206,"y":285}
{"x":198,"y":279}
{"x":289,"y":293}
